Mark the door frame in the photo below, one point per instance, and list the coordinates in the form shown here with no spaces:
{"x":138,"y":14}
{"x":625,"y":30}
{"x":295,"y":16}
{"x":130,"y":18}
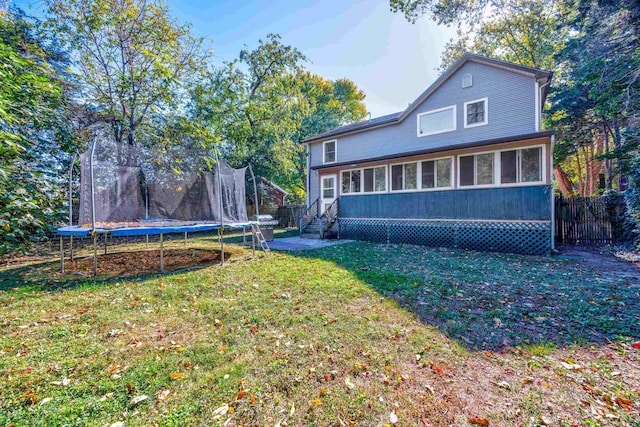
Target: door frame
{"x":323,"y":205}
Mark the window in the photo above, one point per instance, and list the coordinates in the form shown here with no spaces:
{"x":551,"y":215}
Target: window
{"x":467,"y":80}
{"x":477,"y":169}
{"x":328,"y":187}
{"x":351,"y":181}
{"x":437,"y":173}
{"x":475,"y":113}
{"x":329,"y":151}
{"x":437,"y":121}
{"x":404,"y":177}
{"x":524,"y":165}
{"x":375,"y":179}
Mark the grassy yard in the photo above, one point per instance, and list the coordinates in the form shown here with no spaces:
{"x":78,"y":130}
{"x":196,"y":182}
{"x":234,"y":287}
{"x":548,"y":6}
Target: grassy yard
{"x":352,"y":335}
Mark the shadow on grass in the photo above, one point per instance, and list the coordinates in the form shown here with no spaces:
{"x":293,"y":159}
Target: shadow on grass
{"x":44,"y":275}
{"x":490,"y":301}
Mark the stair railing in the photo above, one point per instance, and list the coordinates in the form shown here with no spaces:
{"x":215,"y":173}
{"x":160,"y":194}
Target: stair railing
{"x":331,"y":215}
{"x":309,"y":214}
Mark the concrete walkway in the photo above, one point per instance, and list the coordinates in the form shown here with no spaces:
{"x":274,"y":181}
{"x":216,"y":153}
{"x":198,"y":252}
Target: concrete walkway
{"x":300,"y":244}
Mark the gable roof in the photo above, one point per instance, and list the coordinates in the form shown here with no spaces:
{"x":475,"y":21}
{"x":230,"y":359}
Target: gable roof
{"x":537,"y":73}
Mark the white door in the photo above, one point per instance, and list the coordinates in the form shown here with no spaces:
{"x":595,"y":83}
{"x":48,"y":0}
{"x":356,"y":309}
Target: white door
{"x":327,"y":191}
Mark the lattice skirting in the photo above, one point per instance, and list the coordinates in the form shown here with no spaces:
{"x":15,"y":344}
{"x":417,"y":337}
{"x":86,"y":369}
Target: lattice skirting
{"x":522,"y":237}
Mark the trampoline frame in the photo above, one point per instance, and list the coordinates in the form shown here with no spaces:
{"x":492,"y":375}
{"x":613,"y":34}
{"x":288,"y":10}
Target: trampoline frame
{"x":77,"y":231}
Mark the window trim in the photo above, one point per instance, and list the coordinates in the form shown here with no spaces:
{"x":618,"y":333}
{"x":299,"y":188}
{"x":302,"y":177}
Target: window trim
{"x":335,"y":155}
{"x":451,"y":177}
{"x":455,"y":120}
{"x":486,"y":113}
{"x":361,"y":169}
{"x":497,"y":168}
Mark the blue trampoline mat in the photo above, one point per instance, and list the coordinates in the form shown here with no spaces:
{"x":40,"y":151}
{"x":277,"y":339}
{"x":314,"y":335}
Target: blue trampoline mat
{"x":77,"y":231}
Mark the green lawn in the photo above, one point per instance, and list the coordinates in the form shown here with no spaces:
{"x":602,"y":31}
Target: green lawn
{"x":357,"y":334}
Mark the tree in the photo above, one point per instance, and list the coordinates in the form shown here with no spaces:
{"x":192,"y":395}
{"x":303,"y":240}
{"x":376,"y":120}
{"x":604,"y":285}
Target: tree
{"x":264,"y":103}
{"x":32,"y":130}
{"x":132,"y":58}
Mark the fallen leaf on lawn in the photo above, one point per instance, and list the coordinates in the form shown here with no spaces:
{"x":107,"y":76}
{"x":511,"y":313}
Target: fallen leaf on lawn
{"x":571,"y":366}
{"x":527,"y":380}
{"x":64,"y":382}
{"x":316,"y":401}
{"x":393,"y":418}
{"x":241,"y":394}
{"x":177,"y":375}
{"x":45,"y":401}
{"x":136,"y":400}
{"x":349,"y":383}
{"x":293,"y":410}
{"x":478,"y":421}
{"x":624,"y":402}
{"x":105,"y":397}
{"x":220,"y":412}
{"x":437,"y":369}
{"x":163,"y":394}
{"x":636,"y":344}
{"x":503,"y":384}
{"x":252,"y":398}
{"x":117,"y":424}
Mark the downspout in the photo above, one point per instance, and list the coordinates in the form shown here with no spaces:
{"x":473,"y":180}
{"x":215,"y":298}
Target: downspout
{"x":308,"y":171}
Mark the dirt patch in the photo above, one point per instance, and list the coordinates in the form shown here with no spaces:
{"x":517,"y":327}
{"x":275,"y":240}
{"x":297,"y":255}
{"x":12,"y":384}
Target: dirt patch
{"x":606,"y":263}
{"x":144,"y":262}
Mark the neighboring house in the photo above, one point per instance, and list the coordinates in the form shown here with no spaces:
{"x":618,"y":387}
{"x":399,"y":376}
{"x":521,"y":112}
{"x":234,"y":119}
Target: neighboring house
{"x":465,"y":165}
{"x":271,"y":194}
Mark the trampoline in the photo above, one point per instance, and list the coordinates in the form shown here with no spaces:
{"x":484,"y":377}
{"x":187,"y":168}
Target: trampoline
{"x":127,"y":192}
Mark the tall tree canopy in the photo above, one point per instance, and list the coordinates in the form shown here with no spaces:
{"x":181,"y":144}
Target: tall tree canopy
{"x":262,"y":105}
{"x":133,"y":59}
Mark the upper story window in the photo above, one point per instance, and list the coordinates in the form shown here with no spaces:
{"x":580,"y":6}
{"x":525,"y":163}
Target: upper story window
{"x":467,"y":80}
{"x":329,"y":151}
{"x":524,"y":165}
{"x":475,"y":113}
{"x":437,"y":121}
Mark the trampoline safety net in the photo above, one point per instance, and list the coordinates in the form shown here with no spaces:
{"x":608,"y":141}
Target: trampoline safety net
{"x":131,"y":185}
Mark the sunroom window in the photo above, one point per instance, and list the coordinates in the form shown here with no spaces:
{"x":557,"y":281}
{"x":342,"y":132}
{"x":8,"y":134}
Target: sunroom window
{"x":404,"y":177}
{"x":375,"y":179}
{"x":436,"y":173}
{"x":351,"y":181}
{"x":477,"y":169}
{"x":524,"y":165}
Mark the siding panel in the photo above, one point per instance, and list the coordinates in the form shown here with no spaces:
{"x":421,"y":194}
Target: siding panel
{"x":487,"y":203}
{"x":511,"y":111}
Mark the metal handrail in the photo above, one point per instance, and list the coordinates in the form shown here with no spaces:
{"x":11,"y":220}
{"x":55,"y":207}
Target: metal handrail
{"x":309,"y":214}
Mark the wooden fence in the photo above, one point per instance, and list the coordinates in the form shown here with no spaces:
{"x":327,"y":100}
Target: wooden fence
{"x":590,"y":221}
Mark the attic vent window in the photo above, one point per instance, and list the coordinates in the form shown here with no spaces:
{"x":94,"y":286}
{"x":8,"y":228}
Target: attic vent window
{"x":467,"y":80}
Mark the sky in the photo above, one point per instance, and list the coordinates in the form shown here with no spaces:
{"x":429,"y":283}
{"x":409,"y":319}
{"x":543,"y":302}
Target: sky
{"x":387,"y":57}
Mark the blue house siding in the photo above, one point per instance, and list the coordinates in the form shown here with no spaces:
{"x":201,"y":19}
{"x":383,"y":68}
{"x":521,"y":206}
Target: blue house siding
{"x":504,"y":203}
{"x":511,"y":111}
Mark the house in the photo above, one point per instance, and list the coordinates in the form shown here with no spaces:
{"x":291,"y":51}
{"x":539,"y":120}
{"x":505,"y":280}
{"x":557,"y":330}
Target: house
{"x":271,"y":194}
{"x":466,"y":165}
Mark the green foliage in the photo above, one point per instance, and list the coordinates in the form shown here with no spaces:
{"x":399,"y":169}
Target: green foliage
{"x":32,"y":121}
{"x":264,"y":103}
{"x":132,"y":57}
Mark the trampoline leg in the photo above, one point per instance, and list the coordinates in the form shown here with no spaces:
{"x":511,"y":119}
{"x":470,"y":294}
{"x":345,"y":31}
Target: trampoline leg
{"x":161,"y":253}
{"x":243,"y":236}
{"x":106,"y":242}
{"x":185,"y":239}
{"x":253,"y":242}
{"x":95,"y":253}
{"x":147,"y":241}
{"x":71,"y":249}
{"x":61,"y":255}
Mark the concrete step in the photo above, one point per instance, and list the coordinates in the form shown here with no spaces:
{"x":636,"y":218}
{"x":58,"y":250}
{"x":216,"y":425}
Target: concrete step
{"x":306,"y":235}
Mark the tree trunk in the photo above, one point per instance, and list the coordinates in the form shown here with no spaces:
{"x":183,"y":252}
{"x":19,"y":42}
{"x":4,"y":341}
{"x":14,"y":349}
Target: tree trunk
{"x":564,"y":183}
